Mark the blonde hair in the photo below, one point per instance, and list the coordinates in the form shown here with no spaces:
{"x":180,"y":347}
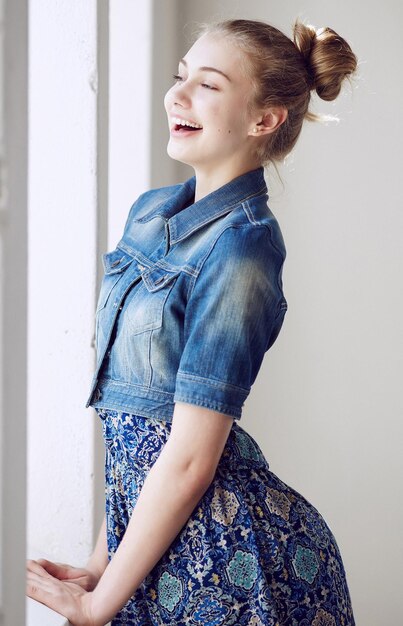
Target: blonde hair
{"x":284,"y":72}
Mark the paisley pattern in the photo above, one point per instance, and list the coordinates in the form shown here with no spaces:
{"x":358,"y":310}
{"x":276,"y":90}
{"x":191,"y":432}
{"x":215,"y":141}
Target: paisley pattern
{"x":254,"y":552}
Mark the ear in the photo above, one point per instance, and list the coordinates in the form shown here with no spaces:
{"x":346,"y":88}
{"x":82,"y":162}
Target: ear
{"x":271,"y":120}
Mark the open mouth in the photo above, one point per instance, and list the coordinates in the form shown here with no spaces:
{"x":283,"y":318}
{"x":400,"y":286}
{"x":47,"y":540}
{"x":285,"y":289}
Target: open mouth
{"x":179,"y":127}
{"x":183,"y":125}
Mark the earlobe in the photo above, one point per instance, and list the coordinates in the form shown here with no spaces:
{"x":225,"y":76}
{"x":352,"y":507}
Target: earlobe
{"x":256,"y":130}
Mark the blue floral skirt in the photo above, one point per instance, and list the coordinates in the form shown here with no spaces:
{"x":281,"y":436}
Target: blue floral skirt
{"x":254,"y":552}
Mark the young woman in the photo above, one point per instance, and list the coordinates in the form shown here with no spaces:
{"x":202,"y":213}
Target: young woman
{"x":199,"y":528}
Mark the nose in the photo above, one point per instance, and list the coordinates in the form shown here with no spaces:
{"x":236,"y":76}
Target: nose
{"x":177,"y":96}
{"x":180,"y":94}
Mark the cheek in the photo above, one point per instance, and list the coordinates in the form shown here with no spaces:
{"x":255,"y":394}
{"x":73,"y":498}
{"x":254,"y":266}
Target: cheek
{"x":220,"y":120}
{"x":228,"y":124}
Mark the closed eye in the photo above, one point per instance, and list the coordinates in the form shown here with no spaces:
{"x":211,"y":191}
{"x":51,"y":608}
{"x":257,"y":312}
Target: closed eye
{"x":180,"y":79}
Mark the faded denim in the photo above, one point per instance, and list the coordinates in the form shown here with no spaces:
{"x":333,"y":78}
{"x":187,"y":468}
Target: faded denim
{"x":190,"y":301}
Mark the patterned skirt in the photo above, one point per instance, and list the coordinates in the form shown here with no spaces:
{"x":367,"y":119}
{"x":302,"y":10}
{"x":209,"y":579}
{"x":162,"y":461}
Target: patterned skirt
{"x":254,"y":552}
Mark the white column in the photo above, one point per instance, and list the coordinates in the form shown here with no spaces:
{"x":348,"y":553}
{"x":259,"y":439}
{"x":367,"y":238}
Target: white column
{"x":63,"y":199}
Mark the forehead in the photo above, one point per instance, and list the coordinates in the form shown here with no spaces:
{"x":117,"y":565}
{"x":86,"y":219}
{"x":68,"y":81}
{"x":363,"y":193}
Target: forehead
{"x":219,"y":52}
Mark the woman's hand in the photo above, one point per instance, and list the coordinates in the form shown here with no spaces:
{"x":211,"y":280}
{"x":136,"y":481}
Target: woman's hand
{"x":65,"y":597}
{"x":86,"y":578}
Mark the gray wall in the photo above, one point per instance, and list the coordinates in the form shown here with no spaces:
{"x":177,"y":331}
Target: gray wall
{"x":327,"y":405}
{"x":13,"y":306}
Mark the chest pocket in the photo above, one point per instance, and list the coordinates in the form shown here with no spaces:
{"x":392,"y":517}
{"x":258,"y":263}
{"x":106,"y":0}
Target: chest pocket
{"x":145,"y":307}
{"x":114,"y":263}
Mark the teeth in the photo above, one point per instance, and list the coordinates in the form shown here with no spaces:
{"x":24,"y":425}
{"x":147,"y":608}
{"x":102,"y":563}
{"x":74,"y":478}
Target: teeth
{"x":177,"y":120}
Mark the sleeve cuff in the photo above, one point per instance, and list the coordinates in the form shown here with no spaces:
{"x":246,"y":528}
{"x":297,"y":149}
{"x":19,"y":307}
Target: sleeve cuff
{"x":211,"y":394}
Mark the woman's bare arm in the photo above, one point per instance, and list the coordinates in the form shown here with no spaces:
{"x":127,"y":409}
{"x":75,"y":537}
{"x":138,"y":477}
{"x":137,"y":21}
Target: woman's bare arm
{"x":99,"y":558}
{"x":173,"y":487}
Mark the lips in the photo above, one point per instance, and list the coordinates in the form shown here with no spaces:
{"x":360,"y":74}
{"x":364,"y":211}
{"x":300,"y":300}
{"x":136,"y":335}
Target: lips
{"x":180,"y":123}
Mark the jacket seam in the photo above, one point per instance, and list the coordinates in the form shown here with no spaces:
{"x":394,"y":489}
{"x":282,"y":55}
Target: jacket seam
{"x":113,"y":382}
{"x":211,"y":382}
{"x":232,"y":410}
{"x":137,"y":256}
{"x":282,"y":259}
{"x":127,"y":407}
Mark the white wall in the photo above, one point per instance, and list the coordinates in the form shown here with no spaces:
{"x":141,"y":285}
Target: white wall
{"x":130,"y":115}
{"x":143,"y":52}
{"x":327,"y":404}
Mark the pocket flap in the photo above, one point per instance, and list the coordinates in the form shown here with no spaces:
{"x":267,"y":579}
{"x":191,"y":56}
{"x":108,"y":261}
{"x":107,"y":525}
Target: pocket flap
{"x":115,"y":261}
{"x":157,"y":277}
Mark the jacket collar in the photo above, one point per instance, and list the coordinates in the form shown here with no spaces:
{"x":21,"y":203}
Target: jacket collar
{"x":184,"y":221}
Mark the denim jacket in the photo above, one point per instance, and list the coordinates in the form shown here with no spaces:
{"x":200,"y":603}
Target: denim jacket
{"x":190,"y":301}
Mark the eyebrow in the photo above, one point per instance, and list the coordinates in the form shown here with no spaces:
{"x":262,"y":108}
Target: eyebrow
{"x":206,"y":68}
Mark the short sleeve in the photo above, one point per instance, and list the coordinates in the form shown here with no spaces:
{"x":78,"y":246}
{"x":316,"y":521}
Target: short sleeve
{"x":233,"y":316}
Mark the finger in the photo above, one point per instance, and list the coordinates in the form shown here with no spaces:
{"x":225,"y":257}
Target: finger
{"x":34,"y":566}
{"x":55,"y":569}
{"x":44,"y":562}
{"x":62,"y":571}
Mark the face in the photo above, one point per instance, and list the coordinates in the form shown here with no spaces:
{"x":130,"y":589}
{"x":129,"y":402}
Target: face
{"x":211,"y":94}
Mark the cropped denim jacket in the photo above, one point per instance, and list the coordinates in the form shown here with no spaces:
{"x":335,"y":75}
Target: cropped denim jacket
{"x":190,"y":300}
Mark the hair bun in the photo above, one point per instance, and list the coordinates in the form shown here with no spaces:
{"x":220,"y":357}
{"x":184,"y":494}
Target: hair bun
{"x":328,"y":58}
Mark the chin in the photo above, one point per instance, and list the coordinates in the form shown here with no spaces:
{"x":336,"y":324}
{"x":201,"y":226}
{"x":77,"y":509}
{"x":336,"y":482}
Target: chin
{"x":176,"y":156}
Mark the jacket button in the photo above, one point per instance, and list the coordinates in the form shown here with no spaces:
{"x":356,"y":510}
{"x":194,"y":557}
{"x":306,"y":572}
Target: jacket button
{"x":159,"y":280}
{"x":116,"y":262}
{"x":141,"y":267}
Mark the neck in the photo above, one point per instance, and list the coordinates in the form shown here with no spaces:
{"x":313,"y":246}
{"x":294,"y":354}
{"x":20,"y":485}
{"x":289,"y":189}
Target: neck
{"x":207,"y":182}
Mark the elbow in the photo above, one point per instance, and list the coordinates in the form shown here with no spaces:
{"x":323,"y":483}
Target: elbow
{"x":199,"y":478}
{"x":193,"y":478}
